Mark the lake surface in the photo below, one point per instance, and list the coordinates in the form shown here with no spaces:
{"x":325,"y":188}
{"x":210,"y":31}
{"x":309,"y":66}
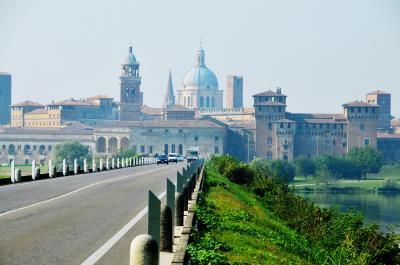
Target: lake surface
{"x":376,"y":207}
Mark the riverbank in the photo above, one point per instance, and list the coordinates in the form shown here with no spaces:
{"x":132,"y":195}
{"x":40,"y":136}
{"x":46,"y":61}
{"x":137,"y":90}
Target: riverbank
{"x":235,"y":226}
{"x":373,"y":183}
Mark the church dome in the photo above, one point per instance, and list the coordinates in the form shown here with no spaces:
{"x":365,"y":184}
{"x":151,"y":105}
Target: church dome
{"x":200,"y":76}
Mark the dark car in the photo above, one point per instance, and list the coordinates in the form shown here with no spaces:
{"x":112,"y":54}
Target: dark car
{"x":162,"y":159}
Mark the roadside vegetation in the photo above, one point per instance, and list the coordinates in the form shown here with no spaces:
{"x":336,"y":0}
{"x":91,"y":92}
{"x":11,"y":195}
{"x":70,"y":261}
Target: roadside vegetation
{"x":248,"y":214}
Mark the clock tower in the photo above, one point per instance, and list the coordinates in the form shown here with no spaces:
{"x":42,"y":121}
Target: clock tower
{"x":131,"y":98}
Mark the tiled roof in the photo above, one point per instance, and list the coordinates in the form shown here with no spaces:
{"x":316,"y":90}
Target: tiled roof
{"x":73,"y":102}
{"x":388,"y":135}
{"x":360,"y":104}
{"x":378,"y":92}
{"x":286,"y":121}
{"x":100,"y":97}
{"x":304,"y":116}
{"x":162,"y":124}
{"x":27,"y":103}
{"x":146,"y":110}
{"x":39,"y":111}
{"x":268,"y":93}
{"x":178,"y":108}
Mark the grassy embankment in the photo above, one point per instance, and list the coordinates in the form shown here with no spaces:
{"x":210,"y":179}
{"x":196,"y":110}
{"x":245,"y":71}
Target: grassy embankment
{"x":250,"y":234}
{"x":238,"y":227}
{"x":5,"y":171}
{"x":371,"y":184}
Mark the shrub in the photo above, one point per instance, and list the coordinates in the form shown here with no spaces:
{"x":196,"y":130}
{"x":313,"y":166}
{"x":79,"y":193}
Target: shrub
{"x":239,"y":173}
{"x":220,"y":163}
{"x":389,"y":184}
{"x":304,"y":166}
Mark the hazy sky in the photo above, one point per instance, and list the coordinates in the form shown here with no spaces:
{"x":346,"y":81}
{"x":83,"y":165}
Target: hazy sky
{"x":322,"y":53}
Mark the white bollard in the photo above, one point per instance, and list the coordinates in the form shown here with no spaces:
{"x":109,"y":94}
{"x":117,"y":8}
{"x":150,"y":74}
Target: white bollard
{"x":144,"y":250}
{"x":94,"y":166}
{"x":85,"y":166}
{"x":76,"y":166}
{"x":51,"y":169}
{"x":113,"y":163}
{"x":64,"y":167}
{"x":33,"y":169}
{"x":107,"y":163}
{"x":12,"y":173}
{"x":118,"y":163}
{"x":101,"y":164}
{"x":17,"y":175}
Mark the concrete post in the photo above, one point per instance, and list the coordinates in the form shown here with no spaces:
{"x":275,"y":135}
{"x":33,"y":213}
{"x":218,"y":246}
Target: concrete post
{"x":17,"y":175}
{"x":113,"y":163}
{"x":34,"y":169}
{"x":185,"y":194}
{"x":122,"y":162}
{"x":101,"y":167}
{"x":94,"y":166}
{"x":153,"y":221}
{"x":179,"y":182}
{"x":85,"y":166}
{"x":107,"y":163}
{"x":12,"y":173}
{"x":127,"y":162}
{"x":171,"y":196}
{"x":144,"y":251}
{"x":179,"y":209}
{"x":51,"y":173}
{"x":64,"y":167}
{"x":37,"y":173}
{"x":166,"y":234}
{"x":76,"y":166}
{"x":184,"y":172}
{"x":118,"y":164}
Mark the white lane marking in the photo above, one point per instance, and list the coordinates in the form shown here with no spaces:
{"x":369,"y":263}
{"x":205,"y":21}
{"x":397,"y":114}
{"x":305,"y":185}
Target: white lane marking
{"x":111,"y":242}
{"x":78,"y":190}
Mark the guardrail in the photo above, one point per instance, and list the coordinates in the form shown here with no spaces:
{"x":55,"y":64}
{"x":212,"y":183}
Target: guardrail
{"x":146,"y":248}
{"x":94,"y":165}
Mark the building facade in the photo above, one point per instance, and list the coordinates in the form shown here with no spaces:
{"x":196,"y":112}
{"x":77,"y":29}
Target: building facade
{"x":5,"y":98}
{"x":284,"y":135}
{"x":383,"y":100}
{"x":200,"y":87}
{"x":234,"y":92}
{"x":131,"y":98}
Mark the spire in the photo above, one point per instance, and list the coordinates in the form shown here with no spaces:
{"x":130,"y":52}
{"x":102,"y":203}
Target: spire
{"x":169,"y":99}
{"x":201,"y":56}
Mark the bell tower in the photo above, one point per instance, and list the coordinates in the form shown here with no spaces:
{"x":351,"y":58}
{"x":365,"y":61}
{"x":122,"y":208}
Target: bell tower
{"x":131,"y":98}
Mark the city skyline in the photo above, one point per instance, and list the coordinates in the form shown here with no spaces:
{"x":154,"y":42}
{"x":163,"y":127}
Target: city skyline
{"x":84,"y":60}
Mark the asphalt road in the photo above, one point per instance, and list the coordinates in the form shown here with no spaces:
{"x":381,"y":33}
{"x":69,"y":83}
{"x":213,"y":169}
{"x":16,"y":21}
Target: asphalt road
{"x":73,"y":219}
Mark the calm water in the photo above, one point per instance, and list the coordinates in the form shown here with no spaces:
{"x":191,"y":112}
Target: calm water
{"x":376,"y":207}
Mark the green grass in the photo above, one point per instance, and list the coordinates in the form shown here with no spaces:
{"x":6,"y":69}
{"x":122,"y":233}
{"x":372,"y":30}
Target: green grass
{"x":25,"y":170}
{"x":245,"y":231}
{"x":373,"y":182}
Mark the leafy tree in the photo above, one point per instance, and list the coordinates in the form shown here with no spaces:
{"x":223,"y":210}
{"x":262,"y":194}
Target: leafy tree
{"x":304,"y":166}
{"x":126,"y":153}
{"x":261,"y":168}
{"x":70,"y":151}
{"x":282,"y":169}
{"x":367,"y":159}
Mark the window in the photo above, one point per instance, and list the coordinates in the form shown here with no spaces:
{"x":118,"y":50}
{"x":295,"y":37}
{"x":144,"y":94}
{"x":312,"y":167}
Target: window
{"x":150,"y":149}
{"x":359,"y":110}
{"x":166,"y":130}
{"x":366,"y":141}
{"x":351,"y":110}
{"x":49,"y":148}
{"x":270,"y":126}
{"x":180,"y":149}
{"x":344,"y":145}
{"x":281,"y":125}
{"x":207,"y":102}
{"x":362,"y":127}
{"x":34,"y":148}
{"x":150,"y":130}
{"x":142,"y":149}
{"x":172,"y":148}
{"x":180,"y":131}
{"x":166,"y":149}
{"x":289,"y":125}
{"x":341,"y":126}
{"x":216,"y":138}
{"x":269,"y":140}
{"x":334,"y":142}
{"x":3,"y":147}
{"x":216,"y":149}
{"x":196,"y":138}
{"x":269,"y":156}
{"x":201,"y":101}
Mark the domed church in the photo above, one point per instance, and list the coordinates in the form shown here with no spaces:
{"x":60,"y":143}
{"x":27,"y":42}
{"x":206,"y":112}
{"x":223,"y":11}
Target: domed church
{"x":200,"y":87}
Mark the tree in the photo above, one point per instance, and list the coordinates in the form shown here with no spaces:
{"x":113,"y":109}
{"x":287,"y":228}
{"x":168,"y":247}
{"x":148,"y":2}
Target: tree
{"x":367,"y":159}
{"x":261,"y":168}
{"x":126,"y":153}
{"x":283,"y":170}
{"x":304,"y":166}
{"x":70,"y":151}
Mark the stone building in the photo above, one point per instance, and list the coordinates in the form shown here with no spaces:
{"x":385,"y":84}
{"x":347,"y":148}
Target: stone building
{"x":5,"y":98}
{"x":234,"y":92}
{"x":382,"y":99}
{"x":284,"y":135}
{"x":25,"y":144}
{"x":200,"y":87}
{"x":131,"y":98}
{"x":389,"y":146}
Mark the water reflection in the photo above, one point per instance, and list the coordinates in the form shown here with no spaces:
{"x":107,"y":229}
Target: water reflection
{"x":376,"y":207}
